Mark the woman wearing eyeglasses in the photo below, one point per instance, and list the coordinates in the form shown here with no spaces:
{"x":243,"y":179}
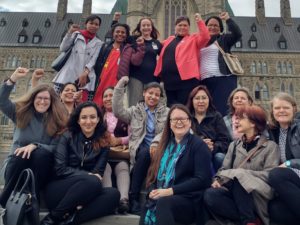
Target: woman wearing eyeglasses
{"x":215,"y":74}
{"x":179,"y":173}
{"x":146,"y":119}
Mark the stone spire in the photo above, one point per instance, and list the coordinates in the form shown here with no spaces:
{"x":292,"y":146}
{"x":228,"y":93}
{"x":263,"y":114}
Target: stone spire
{"x":285,"y":12}
{"x":86,"y":9}
{"x":62,"y":7}
{"x":260,"y":11}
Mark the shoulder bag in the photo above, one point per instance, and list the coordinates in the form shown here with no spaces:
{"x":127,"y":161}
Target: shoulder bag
{"x":232,"y":61}
{"x":63,"y":57}
{"x":22,"y":206}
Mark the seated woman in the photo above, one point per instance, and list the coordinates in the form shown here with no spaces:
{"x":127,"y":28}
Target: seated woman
{"x":179,"y":173}
{"x":209,"y":124}
{"x":239,"y":97}
{"x":117,"y":165}
{"x":39,"y":116}
{"x":240,"y":191}
{"x":285,"y":179}
{"x":76,"y":194}
{"x":146,"y":119}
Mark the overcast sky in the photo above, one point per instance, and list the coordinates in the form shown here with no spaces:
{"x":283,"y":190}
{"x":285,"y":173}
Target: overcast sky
{"x":240,"y":7}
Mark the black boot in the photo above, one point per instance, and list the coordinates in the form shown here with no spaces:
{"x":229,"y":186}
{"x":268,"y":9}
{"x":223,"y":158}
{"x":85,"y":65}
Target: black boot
{"x":49,"y":220}
{"x":135,"y":207}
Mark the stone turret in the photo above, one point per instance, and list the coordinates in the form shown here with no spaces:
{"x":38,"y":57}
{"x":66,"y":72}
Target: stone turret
{"x":285,"y":12}
{"x":86,"y":10}
{"x":260,"y":11}
{"x":62,"y":7}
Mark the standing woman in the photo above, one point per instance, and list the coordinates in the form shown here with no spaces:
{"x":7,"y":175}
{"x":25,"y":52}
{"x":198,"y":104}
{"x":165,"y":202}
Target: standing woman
{"x":179,"y":173}
{"x":239,"y":98}
{"x":107,"y":63}
{"x":80,"y":65}
{"x":76,"y":195}
{"x":215,"y":74}
{"x":143,"y":74}
{"x":240,"y":191}
{"x":146,"y":120}
{"x":209,"y":124}
{"x":285,"y":179}
{"x":39,"y":116}
{"x":178,"y":64}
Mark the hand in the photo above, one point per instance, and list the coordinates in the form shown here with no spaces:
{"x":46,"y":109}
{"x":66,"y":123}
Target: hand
{"x":25,"y":151}
{"x":74,"y":27}
{"x":117,"y":16}
{"x":158,"y":193}
{"x":115,"y":141}
{"x":122,"y":82}
{"x":283,"y":165}
{"x":97,"y":175}
{"x":140,"y":41}
{"x":77,"y":96}
{"x":224,"y":16}
{"x":153,"y":148}
{"x":83,"y":79}
{"x":19,"y":73}
{"x":36,"y":76}
{"x":210,"y":143}
{"x":216,"y":184}
{"x":197,"y":17}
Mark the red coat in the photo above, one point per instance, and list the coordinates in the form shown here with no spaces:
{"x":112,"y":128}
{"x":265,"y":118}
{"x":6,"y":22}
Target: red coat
{"x":187,"y":53}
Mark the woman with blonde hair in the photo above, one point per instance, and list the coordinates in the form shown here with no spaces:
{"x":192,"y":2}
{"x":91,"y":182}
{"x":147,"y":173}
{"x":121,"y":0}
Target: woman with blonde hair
{"x":39,"y":116}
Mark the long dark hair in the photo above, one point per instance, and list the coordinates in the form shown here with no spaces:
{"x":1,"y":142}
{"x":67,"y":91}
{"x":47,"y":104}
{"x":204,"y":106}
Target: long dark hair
{"x":165,"y":138}
{"x":137,"y":31}
{"x":100,"y":137}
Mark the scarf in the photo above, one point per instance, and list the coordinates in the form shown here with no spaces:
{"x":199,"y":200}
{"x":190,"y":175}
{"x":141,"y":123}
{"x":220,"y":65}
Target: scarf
{"x":87,"y":35}
{"x":166,"y":173}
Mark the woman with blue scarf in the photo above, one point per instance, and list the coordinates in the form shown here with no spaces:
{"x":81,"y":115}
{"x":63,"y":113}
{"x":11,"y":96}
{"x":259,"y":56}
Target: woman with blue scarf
{"x":179,"y":173}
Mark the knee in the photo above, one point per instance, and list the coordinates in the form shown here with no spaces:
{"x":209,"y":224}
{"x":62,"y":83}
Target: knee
{"x":143,"y":154}
{"x":210,"y":197}
{"x":277,"y":176}
{"x":42,"y":156}
{"x":92,"y":182}
{"x":113,"y":194}
{"x":122,"y":167}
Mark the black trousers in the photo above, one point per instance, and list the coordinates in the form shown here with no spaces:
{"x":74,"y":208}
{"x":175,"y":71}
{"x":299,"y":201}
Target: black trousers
{"x":41,"y":163}
{"x":284,"y":208}
{"x":220,"y":89}
{"x":173,"y":209}
{"x":178,"y":96}
{"x":234,"y":203}
{"x":64,"y":195}
{"x":140,"y":169}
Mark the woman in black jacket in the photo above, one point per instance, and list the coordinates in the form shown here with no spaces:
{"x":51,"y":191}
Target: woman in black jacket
{"x":76,"y":194}
{"x":215,"y":74}
{"x":209,"y":124}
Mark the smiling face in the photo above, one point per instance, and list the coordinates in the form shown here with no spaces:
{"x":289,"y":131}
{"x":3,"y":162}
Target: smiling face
{"x":107,"y":99}
{"x":283,"y":112}
{"x":200,"y":102}
{"x":146,"y":27}
{"x":182,"y":28}
{"x":180,"y":123}
{"x":119,"y":34}
{"x":88,"y":120}
{"x":151,"y":97}
{"x":93,"y":26}
{"x":42,"y":101}
{"x":240,"y":99}
{"x":67,"y":94}
{"x":213,"y":27}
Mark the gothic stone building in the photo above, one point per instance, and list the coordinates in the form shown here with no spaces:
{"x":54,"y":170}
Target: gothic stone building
{"x":269,"y":49}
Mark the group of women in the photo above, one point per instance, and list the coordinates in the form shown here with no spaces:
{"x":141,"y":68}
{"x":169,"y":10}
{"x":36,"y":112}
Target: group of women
{"x":193,"y":172}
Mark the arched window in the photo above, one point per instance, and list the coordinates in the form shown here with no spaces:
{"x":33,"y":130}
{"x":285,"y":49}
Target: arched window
{"x":291,"y":89}
{"x":14,"y":62}
{"x":284,"y":68}
{"x":264,"y":68}
{"x":8,"y":62}
{"x":259,"y":67}
{"x":43,"y":62}
{"x":257,"y":92}
{"x":279,"y":68}
{"x":282,"y":87}
{"x":265,"y":92}
{"x":4,"y":120}
{"x":289,"y":68}
{"x":32,"y":62}
{"x":253,"y":68}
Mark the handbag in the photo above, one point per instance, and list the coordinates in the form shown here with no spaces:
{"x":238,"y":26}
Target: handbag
{"x":63,"y":57}
{"x":119,"y":152}
{"x":232,"y":61}
{"x":22,"y":206}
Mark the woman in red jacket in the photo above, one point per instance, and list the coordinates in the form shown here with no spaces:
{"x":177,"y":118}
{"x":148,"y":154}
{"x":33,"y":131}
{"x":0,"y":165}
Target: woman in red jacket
{"x":178,"y":65}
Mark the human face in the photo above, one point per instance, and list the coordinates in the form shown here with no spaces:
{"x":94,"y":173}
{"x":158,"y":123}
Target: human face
{"x":213,"y":27}
{"x":93,"y":26}
{"x":283,"y":112}
{"x":180,"y":123}
{"x":240,"y":99}
{"x":119,"y":34}
{"x":200,"y":102}
{"x":107,"y":99}
{"x":67,"y":94}
{"x":42,"y":101}
{"x":88,"y":120}
{"x":182,"y":29}
{"x":151,"y":97}
{"x":146,"y":27}
{"x":245,"y":126}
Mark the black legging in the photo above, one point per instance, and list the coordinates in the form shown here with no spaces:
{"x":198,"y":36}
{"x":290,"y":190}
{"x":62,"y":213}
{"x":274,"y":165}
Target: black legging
{"x":64,"y":195}
{"x":41,"y":163}
{"x":285,"y":207}
{"x":173,"y":209}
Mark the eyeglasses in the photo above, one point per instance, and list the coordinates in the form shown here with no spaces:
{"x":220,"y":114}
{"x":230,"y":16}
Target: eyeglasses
{"x":213,"y":25}
{"x":42,"y":99}
{"x":182,"y":120}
